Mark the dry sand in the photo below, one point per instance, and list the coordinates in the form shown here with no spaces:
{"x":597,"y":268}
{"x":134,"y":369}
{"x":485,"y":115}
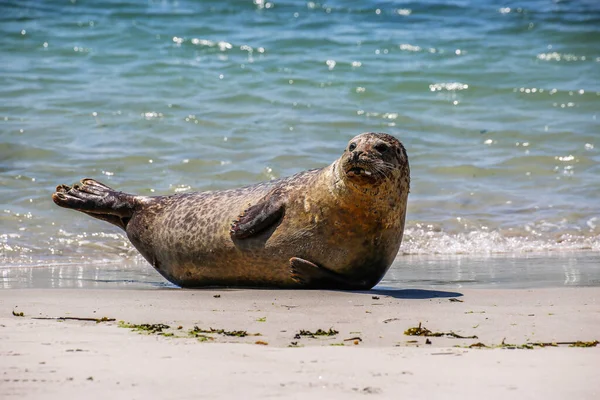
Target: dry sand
{"x":70,"y":359}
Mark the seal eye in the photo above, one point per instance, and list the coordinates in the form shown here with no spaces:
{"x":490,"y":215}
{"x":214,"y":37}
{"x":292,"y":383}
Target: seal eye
{"x":352,"y":146}
{"x":381,"y":147}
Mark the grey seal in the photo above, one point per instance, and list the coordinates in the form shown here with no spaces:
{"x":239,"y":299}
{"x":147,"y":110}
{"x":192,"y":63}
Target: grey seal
{"x":337,"y":227}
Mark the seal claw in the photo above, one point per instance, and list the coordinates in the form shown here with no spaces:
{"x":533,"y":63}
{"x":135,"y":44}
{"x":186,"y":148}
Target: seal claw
{"x":62,"y":188}
{"x":303,"y":272}
{"x":313,"y":276}
{"x":297,"y":279}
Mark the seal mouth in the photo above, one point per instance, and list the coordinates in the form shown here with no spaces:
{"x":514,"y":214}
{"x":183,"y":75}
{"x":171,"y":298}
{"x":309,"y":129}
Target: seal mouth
{"x":358,"y":171}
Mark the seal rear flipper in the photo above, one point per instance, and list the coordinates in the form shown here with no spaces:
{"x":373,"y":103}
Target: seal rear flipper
{"x":96,"y":200}
{"x":259,"y":217}
{"x":312,"y":276}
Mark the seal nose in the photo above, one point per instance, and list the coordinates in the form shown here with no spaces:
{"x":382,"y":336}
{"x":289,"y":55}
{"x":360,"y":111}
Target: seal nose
{"x":356,"y":154}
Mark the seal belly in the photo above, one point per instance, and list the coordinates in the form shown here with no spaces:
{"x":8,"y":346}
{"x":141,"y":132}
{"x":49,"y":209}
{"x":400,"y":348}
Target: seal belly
{"x":186,"y":238}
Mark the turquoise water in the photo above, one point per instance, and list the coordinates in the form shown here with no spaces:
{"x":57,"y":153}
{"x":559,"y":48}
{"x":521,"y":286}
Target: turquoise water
{"x":497,"y":103}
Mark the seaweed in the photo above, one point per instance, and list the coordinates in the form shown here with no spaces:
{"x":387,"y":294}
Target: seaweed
{"x":422,"y":331}
{"x":477,"y":345}
{"x":532,"y":345}
{"x":197,"y":330}
{"x":146,"y":328}
{"x":18,"y":314}
{"x":263,"y":319}
{"x":578,"y":343}
{"x":368,"y":390}
{"x":318,"y":332}
{"x":526,"y":346}
{"x":198,"y":334}
{"x":96,"y":320}
{"x":453,"y":300}
{"x":261,"y":343}
{"x":546,"y":344}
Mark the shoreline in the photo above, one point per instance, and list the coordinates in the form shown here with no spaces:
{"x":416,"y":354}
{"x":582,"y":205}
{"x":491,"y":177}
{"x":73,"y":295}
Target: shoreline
{"x":56,"y":358}
{"x":447,"y":272}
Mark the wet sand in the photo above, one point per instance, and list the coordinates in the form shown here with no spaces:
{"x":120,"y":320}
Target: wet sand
{"x":444,"y":272}
{"x":49,"y":358}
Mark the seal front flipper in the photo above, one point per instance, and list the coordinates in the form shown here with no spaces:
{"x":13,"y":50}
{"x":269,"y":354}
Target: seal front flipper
{"x":97,"y":200}
{"x":312,"y":276}
{"x":258,"y":217}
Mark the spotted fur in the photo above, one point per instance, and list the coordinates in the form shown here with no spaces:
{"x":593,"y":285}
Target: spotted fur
{"x":347,"y":218}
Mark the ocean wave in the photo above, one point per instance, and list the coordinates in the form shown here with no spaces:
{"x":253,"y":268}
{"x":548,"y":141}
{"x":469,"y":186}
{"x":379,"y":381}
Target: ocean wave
{"x":419,"y":239}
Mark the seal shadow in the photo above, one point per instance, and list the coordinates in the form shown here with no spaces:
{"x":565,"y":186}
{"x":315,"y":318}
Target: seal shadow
{"x":415,"y":294}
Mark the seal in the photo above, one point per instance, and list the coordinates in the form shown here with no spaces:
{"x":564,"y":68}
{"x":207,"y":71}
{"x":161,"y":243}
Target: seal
{"x":338,"y":227}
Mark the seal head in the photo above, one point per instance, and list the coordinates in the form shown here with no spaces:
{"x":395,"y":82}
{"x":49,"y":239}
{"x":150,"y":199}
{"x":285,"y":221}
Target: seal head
{"x":371,"y":159}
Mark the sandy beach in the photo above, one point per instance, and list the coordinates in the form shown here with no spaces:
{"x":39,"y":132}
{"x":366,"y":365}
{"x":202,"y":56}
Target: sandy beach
{"x":260,"y":343}
{"x":494,"y":292}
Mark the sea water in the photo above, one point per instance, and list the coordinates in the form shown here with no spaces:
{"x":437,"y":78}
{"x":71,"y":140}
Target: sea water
{"x":497,"y":103}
